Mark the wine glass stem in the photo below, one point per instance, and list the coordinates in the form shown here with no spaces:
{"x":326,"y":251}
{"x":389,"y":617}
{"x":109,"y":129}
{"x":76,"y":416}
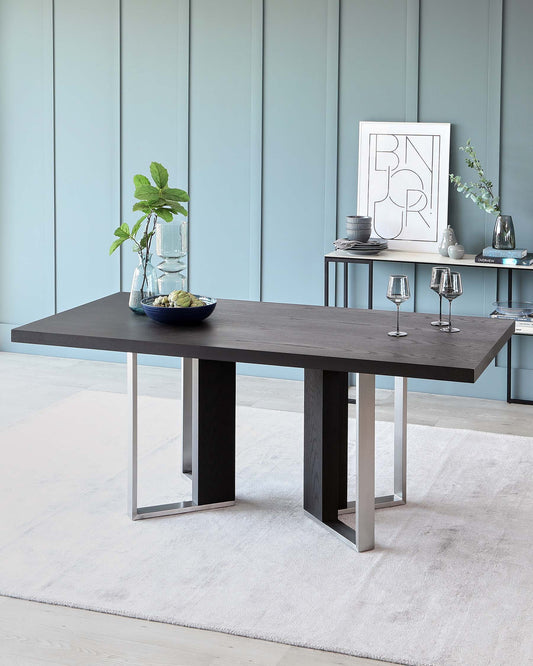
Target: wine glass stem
{"x":440,"y":308}
{"x":450,"y":316}
{"x":397,"y":318}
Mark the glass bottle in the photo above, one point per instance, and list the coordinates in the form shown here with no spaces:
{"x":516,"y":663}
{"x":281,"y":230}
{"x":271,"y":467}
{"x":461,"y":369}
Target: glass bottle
{"x":144,"y":283}
{"x":171,"y":244}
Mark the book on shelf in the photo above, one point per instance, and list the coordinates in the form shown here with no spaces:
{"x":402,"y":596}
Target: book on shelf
{"x":523,"y":326}
{"x":504,"y":261}
{"x":518,"y":253}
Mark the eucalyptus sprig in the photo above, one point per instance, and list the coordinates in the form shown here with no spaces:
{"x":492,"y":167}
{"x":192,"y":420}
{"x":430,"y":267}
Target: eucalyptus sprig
{"x":157,"y":200}
{"x":480,"y":192}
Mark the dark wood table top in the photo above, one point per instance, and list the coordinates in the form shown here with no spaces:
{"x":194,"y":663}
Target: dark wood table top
{"x":305,"y":336}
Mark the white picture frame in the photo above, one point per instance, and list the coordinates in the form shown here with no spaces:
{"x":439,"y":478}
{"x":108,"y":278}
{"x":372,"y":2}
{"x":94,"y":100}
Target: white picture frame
{"x":403,"y":182}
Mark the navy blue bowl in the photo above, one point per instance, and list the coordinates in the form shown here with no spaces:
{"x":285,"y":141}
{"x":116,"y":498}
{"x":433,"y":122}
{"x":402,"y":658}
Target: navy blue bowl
{"x":178,"y":315}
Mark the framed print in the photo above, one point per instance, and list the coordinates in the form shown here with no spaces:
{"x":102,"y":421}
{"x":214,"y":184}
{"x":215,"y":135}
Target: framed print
{"x":403,"y":182}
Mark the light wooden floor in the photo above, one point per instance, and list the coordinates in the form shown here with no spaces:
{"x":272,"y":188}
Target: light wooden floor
{"x":34,"y":633}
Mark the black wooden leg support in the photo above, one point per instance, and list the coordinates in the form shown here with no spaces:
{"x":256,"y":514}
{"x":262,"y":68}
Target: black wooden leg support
{"x":326,"y":447}
{"x":213,"y":445}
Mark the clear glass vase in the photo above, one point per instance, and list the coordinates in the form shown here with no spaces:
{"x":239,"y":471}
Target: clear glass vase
{"x":503,"y":236}
{"x":144,"y":283}
{"x":171,"y":244}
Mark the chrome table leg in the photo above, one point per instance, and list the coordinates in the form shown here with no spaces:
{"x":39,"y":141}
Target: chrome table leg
{"x":189,"y":392}
{"x":400,"y":441}
{"x":365,"y":462}
{"x":133,"y":435}
{"x":400,"y":452}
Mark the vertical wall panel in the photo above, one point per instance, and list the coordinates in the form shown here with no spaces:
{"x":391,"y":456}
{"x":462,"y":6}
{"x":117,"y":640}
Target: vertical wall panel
{"x":294,"y":148}
{"x":373,"y":86}
{"x":453,"y":88}
{"x":516,"y":164}
{"x":256,"y":150}
{"x":220,"y":146}
{"x":412,"y":59}
{"x":456,"y":89}
{"x":494,"y":93}
{"x":154,"y":102}
{"x":331,"y":138}
{"x":517,"y":136}
{"x":87,"y":148}
{"x":372,"y":82}
{"x":26,"y":161}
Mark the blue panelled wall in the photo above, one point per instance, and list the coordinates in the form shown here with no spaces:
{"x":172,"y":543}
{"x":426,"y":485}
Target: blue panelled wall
{"x":254,"y":107}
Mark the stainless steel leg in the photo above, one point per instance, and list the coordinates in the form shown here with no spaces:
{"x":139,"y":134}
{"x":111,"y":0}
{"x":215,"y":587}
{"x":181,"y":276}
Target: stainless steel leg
{"x":400,"y":452}
{"x":189,"y":393}
{"x":132,"y":422}
{"x":134,"y":511}
{"x":365,"y":462}
{"x":400,"y":440}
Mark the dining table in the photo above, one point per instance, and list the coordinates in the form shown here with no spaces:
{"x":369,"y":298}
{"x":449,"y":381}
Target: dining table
{"x":328,"y":343}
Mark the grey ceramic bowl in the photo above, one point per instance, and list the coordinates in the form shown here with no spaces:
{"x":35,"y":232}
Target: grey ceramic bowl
{"x":361,"y":220}
{"x":361,"y":235}
{"x":358,"y":227}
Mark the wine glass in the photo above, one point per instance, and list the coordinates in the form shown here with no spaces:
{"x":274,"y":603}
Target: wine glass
{"x":450,"y":287}
{"x":398,"y":292}
{"x":436,"y":274}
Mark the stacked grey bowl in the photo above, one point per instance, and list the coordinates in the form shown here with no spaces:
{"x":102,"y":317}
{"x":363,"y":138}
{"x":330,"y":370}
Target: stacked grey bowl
{"x":358,"y":228}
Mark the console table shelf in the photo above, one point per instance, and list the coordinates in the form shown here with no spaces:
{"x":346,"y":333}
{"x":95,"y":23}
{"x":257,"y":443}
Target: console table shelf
{"x":417,"y":258}
{"x":346,"y":257}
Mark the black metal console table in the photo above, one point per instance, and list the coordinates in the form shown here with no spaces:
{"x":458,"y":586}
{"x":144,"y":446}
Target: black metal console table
{"x":345,"y":257}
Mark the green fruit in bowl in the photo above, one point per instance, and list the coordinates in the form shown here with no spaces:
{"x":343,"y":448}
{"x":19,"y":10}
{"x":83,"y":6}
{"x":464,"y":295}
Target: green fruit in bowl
{"x":173,"y":296}
{"x":178,"y":299}
{"x":183,"y":300}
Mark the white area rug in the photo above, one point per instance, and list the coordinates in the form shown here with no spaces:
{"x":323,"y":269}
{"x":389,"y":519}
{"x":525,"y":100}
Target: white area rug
{"x":450,"y":582}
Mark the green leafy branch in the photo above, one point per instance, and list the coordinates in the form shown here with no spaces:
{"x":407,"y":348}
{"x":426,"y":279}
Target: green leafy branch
{"x":480,"y":192}
{"x":156,"y":200}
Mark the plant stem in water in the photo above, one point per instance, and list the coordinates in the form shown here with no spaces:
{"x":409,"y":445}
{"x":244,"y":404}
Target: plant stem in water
{"x":147,"y":254}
